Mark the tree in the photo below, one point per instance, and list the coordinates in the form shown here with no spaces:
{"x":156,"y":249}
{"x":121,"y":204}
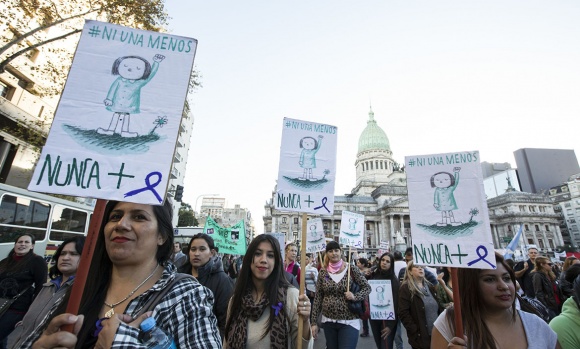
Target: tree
{"x":186,"y":216}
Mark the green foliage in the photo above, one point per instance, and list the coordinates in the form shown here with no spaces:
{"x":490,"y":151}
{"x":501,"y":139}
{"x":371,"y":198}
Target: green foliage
{"x":186,"y":216}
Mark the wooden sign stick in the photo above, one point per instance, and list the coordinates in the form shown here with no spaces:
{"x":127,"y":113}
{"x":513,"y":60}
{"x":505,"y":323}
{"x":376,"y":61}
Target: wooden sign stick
{"x":85,"y":261}
{"x":302,"y":276}
{"x":456,"y":304}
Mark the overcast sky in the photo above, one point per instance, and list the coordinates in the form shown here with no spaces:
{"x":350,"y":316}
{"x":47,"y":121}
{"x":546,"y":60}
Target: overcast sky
{"x":442,"y":76}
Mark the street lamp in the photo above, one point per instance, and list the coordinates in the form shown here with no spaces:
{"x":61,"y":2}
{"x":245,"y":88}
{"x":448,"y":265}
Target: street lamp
{"x":202,"y":195}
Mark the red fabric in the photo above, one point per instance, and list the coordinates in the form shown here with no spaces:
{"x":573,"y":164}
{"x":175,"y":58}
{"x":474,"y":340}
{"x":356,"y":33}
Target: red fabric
{"x":555,"y":287}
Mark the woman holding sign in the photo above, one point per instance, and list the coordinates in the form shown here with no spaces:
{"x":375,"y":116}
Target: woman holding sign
{"x":132,"y":278}
{"x":384,"y":330}
{"x":341,"y":326}
{"x":265,"y":309}
{"x":489,"y":315}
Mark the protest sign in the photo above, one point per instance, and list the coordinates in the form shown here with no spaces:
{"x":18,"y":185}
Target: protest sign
{"x":229,"y":240}
{"x":351,"y":229}
{"x":315,"y":236}
{"x":381,"y":300}
{"x":281,"y":237}
{"x":449,"y":217}
{"x":307,"y":171}
{"x":117,"y":122}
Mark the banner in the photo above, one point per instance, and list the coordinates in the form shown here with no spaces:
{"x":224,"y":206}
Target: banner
{"x":307,"y":170}
{"x":352,"y":229}
{"x":229,"y":240}
{"x":381,"y":300}
{"x":315,"y":240}
{"x":117,"y":122}
{"x":448,"y":210}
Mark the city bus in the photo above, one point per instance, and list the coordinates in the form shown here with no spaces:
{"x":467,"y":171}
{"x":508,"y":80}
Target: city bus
{"x":49,"y":219}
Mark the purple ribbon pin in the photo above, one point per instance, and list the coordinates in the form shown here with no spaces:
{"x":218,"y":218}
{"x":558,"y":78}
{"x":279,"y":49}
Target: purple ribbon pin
{"x":278,"y":308}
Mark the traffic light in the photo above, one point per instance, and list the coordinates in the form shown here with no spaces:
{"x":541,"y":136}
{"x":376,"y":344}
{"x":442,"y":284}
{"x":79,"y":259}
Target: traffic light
{"x":178,"y":193}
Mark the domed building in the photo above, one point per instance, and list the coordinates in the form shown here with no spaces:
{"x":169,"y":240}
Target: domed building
{"x":380,"y":194}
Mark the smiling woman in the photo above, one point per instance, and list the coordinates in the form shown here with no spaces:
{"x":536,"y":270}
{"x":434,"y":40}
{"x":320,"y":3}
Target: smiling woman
{"x":133,"y":278}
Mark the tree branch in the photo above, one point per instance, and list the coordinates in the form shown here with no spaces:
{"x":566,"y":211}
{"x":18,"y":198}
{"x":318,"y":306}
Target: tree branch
{"x":13,"y":56}
{"x":36,"y":30}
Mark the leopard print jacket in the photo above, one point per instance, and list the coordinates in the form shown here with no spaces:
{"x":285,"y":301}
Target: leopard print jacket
{"x":330,"y":299}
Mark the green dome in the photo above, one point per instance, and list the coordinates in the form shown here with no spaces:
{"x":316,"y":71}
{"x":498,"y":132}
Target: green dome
{"x":373,"y":137}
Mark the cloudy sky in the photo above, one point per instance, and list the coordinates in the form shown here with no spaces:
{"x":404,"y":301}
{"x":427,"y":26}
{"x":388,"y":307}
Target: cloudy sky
{"x":442,"y":76}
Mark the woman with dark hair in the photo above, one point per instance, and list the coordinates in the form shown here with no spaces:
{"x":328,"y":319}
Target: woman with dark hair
{"x":66,"y":262}
{"x":418,"y":306}
{"x":341,"y":326}
{"x":265,"y":309}
{"x":565,"y":286}
{"x":210,"y":273}
{"x":21,"y":273}
{"x":545,"y":286}
{"x":444,"y":288}
{"x":384,"y":330}
{"x":489,"y":316}
{"x":132,"y":279}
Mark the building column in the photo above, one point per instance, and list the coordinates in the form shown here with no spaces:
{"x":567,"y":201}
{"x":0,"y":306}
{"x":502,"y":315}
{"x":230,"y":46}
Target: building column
{"x":391,"y":227}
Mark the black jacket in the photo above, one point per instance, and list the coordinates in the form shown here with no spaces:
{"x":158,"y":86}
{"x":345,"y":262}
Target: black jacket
{"x":212,"y":276}
{"x":544,"y":289}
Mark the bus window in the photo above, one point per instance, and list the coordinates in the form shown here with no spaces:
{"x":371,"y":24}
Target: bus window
{"x":21,"y":215}
{"x":67,"y":222}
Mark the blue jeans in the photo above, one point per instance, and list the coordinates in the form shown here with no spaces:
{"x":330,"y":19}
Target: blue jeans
{"x":339,"y":336}
{"x":7,"y":322}
{"x":398,"y":338}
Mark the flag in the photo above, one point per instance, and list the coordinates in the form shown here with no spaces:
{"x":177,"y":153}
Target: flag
{"x":229,"y":240}
{"x":510,"y":249}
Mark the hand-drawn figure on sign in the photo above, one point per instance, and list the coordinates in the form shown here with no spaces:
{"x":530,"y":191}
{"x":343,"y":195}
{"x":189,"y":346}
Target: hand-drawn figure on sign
{"x":352,"y":223}
{"x":380,"y":294}
{"x":444,"y":200}
{"x":124,"y":97}
{"x":313,"y":231}
{"x":310,"y":147}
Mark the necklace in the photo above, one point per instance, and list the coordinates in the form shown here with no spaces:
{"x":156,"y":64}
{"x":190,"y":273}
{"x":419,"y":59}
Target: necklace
{"x":111,"y":312}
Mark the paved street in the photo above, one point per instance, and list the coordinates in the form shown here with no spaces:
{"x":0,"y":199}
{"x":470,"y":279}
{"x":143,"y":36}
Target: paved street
{"x":363,"y":342}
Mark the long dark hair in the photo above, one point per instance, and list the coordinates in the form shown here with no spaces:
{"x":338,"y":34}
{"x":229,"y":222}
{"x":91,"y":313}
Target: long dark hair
{"x":472,"y":306}
{"x":101,"y":267}
{"x":79,"y":242}
{"x":186,"y":267}
{"x":389,"y":274}
{"x":9,"y":263}
{"x":245,"y":282}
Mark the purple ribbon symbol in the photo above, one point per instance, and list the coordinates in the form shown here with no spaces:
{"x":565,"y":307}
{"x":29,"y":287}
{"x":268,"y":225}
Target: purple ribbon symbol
{"x":278,"y":308}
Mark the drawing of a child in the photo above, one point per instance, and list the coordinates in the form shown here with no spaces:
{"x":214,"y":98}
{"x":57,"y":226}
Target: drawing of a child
{"x":307,"y":161}
{"x":124,"y":96}
{"x":444,"y":200}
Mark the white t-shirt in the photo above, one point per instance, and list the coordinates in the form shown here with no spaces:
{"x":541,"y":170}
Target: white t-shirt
{"x":398,"y":266}
{"x":538,"y":334}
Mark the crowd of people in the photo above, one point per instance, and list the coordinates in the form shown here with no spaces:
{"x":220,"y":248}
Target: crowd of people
{"x":206,"y":300}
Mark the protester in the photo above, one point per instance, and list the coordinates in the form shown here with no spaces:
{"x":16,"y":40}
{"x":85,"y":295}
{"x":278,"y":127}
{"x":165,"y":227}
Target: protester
{"x":341,"y":326}
{"x":400,"y":264}
{"x":62,"y":274}
{"x":567,"y":324}
{"x":130,"y":267}
{"x":444,"y":288}
{"x":311,"y":277}
{"x":179,"y":258}
{"x":362,"y":265}
{"x":264,"y":310}
{"x":210,"y":273}
{"x":290,"y":264}
{"x":489,"y":316}
{"x":523,"y":271}
{"x":418,"y":307}
{"x":384,"y":330}
{"x":22,"y":274}
{"x":545,"y":286}
{"x":565,"y":286}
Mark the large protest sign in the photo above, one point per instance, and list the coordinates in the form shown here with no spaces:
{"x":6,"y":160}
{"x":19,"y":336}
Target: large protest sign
{"x":307,"y":171}
{"x":230,"y":240}
{"x":315,"y":240}
{"x":118,"y":119}
{"x":381,"y":300}
{"x":449,"y":217}
{"x":351,"y":229}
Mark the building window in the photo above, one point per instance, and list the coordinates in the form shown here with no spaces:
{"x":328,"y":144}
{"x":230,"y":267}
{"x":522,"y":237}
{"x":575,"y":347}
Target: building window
{"x":295,"y":220}
{"x":532,"y":209}
{"x":550,"y":243}
{"x":6,"y":91}
{"x":526,"y":227}
{"x":547,"y":227}
{"x":530,"y":241}
{"x":335,"y":225}
{"x":510,"y":228}
{"x":325,"y":226}
{"x":381,"y":165}
{"x":371,"y":165}
{"x":541,"y":243}
{"x":368,"y":226}
{"x":537,"y":227}
{"x":284,"y":220}
{"x":522,"y":208}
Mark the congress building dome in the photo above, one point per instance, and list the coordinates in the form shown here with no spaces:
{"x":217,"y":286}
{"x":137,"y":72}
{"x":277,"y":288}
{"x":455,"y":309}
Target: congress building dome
{"x":373,"y":137}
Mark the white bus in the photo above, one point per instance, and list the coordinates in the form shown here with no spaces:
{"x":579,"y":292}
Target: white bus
{"x":50,"y":220}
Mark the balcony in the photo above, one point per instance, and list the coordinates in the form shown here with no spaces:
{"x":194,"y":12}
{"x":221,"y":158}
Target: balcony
{"x":22,"y":117}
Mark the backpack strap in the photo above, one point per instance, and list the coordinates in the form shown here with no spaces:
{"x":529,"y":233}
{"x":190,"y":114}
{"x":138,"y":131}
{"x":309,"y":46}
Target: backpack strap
{"x":156,"y":299}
